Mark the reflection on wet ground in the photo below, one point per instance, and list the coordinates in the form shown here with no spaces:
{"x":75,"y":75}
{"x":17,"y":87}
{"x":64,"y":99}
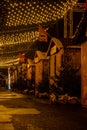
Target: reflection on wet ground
{"x":21,"y":112}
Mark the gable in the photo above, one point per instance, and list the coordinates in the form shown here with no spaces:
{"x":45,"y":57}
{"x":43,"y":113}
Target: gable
{"x":40,"y":56}
{"x":55,"y":46}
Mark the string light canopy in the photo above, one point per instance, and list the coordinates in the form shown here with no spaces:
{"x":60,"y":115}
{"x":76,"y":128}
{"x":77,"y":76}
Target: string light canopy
{"x":19,"y":20}
{"x":32,"y":12}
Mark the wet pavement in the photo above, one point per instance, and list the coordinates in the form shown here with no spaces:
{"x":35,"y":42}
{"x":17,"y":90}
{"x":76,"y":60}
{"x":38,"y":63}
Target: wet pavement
{"x":22,"y":112}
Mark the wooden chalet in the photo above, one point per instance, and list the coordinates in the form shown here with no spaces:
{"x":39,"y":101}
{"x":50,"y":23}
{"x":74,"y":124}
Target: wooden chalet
{"x":30,"y":72}
{"x":81,"y":38}
{"x":55,"y":52}
{"x":41,"y":67}
{"x":84,"y":69}
{"x":30,"y":69}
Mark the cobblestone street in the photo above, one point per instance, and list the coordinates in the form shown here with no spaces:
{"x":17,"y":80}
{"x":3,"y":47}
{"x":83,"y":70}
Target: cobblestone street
{"x":21,"y":112}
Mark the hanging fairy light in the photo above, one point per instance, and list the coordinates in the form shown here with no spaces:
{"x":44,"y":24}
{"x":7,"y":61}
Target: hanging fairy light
{"x":28,"y":13}
{"x":15,"y":38}
{"x":37,"y":9}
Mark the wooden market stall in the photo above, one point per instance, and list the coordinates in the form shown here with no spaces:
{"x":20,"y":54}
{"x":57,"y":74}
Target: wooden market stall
{"x":55,"y":52}
{"x":30,"y":74}
{"x":84,"y":73}
{"x":41,"y":69}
